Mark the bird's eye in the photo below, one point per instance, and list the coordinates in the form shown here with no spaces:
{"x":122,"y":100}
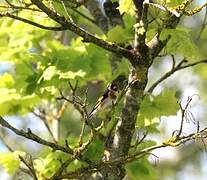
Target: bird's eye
{"x":114,"y":87}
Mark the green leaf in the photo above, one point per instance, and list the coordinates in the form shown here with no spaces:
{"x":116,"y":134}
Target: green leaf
{"x":12,"y":102}
{"x":201,"y":70}
{"x":181,"y":43}
{"x":118,"y":34}
{"x":98,"y":61}
{"x":86,"y":60}
{"x":174,"y":2}
{"x":48,"y":165}
{"x":71,"y":75}
{"x":48,"y":73}
{"x":141,"y":169}
{"x":6,"y":80}
{"x":10,"y":161}
{"x":146,"y":144}
{"x":152,"y":108}
{"x":122,"y":68}
{"x":19,"y":39}
{"x":95,"y":150}
{"x":129,"y":22}
{"x":126,"y":6}
{"x":23,"y":71}
{"x":74,"y":165}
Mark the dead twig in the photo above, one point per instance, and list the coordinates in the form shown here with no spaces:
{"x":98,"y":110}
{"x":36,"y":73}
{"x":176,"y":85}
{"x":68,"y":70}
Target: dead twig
{"x":184,"y":113}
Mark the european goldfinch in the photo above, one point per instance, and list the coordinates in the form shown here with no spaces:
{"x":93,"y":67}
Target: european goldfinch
{"x":108,"y":98}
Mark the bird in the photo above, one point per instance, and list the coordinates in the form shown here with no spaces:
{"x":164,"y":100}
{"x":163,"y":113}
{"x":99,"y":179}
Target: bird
{"x":108,"y":98}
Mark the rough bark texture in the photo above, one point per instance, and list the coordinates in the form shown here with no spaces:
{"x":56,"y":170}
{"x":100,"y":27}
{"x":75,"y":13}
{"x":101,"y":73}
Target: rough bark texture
{"x":133,"y":99}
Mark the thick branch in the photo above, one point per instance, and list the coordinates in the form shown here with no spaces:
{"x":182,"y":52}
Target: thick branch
{"x":32,"y":136}
{"x":37,"y":139}
{"x":126,"y":125}
{"x":141,"y":24}
{"x":81,"y":32}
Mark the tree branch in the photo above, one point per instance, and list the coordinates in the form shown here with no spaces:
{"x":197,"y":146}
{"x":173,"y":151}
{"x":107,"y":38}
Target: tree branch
{"x":6,"y":14}
{"x":32,"y":136}
{"x":141,"y":24}
{"x":30,"y":166}
{"x":64,"y":165}
{"x":44,"y":120}
{"x":173,"y":142}
{"x":24,"y":170}
{"x":88,"y":37}
{"x":170,"y":22}
{"x":203,"y":26}
{"x":173,"y":70}
{"x":6,"y":144}
{"x":26,"y":7}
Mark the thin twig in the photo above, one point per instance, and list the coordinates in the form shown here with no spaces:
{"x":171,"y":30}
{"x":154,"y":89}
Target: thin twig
{"x":178,"y":67}
{"x":24,"y":170}
{"x":80,"y":141}
{"x":75,"y":103}
{"x":156,"y":160}
{"x":64,"y":165}
{"x":44,"y":120}
{"x":142,"y":139}
{"x":183,"y":114}
{"x":137,"y":155}
{"x":30,"y":166}
{"x":61,"y":110}
{"x":37,"y":139}
{"x":173,"y":61}
{"x":84,"y":16}
{"x":6,"y":144}
{"x":80,"y":105}
{"x":66,"y":11}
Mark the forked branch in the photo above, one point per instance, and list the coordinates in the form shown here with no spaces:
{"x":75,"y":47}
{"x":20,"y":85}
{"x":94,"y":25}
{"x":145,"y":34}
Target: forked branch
{"x":176,"y":68}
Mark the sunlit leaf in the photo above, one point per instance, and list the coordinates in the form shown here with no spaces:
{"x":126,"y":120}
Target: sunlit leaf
{"x":181,"y":43}
{"x":152,"y":108}
{"x":118,"y":34}
{"x":126,"y":6}
{"x":10,"y":160}
{"x":95,"y":150}
{"x":6,"y":80}
{"x":12,"y":102}
{"x":47,"y":166}
{"x":141,"y":169}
